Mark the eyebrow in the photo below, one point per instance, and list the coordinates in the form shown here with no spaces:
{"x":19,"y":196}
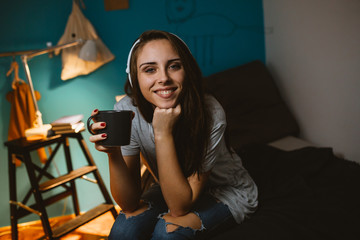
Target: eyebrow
{"x":153,"y":63}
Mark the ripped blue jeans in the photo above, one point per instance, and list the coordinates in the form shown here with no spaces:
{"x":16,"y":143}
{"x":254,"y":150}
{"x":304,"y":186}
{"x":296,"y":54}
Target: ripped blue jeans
{"x":214,"y":216}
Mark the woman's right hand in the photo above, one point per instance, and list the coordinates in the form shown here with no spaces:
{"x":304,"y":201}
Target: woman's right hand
{"x":98,"y":137}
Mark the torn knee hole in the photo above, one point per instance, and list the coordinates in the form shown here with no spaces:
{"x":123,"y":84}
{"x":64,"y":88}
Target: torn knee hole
{"x":190,"y":220}
{"x":171,"y":227}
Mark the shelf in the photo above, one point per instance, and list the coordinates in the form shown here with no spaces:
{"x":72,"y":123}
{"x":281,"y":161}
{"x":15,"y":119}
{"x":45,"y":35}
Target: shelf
{"x":52,"y":183}
{"x":20,"y":209}
{"x":81,"y":219}
{"x":23,"y":212}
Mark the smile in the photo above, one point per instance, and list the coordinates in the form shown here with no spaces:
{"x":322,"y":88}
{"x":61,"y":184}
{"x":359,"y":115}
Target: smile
{"x":165,"y":92}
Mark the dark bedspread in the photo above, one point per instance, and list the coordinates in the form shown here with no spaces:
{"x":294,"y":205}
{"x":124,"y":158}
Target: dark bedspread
{"x":303,"y":194}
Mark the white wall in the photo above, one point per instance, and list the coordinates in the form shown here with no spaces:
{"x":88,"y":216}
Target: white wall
{"x":313,"y":52}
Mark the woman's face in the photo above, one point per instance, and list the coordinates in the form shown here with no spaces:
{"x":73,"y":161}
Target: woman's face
{"x":160,"y":73}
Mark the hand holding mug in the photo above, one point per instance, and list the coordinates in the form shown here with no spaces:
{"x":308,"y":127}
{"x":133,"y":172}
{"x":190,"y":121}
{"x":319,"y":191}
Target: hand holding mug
{"x":111,"y":128}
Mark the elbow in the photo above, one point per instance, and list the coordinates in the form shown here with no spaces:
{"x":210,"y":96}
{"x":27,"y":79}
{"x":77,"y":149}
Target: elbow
{"x":128,"y":207}
{"x":178,"y":212}
{"x":180,"y":207}
{"x":130,"y":203}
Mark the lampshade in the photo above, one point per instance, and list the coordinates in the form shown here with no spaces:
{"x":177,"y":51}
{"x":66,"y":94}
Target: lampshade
{"x":88,"y":51}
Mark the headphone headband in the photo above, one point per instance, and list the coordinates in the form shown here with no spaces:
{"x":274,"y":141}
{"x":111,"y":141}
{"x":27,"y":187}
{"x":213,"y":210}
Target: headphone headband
{"x":130,"y":54}
{"x":128,"y":60}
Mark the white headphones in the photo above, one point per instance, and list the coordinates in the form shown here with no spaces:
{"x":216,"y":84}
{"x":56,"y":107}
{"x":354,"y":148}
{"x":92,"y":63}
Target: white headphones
{"x":130,"y":53}
{"x":128,"y":61}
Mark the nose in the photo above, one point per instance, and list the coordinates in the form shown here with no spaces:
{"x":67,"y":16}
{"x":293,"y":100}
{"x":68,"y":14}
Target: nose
{"x":163,"y":76}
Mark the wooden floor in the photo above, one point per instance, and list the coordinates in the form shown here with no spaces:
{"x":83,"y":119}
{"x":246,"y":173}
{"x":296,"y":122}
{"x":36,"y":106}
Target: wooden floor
{"x":96,"y":229}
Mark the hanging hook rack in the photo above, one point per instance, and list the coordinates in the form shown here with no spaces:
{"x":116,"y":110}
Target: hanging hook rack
{"x":36,"y":52}
{"x":16,"y":53}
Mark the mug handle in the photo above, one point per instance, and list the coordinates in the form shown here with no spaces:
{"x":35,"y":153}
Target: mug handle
{"x":89,"y":125}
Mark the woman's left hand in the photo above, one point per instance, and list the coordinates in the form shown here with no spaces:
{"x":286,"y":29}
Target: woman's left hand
{"x":165,"y":119}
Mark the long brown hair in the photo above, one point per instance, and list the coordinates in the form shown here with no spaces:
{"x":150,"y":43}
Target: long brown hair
{"x":191,"y":132}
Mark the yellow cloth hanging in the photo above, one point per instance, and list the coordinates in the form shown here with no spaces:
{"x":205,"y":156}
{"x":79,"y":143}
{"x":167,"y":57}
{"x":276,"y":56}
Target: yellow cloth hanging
{"x":22,"y":111}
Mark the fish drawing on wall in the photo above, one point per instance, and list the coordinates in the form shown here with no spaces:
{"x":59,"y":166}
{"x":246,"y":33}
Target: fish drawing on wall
{"x":200,"y":30}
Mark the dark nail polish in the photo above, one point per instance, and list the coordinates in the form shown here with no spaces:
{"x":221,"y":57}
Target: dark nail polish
{"x":104,"y":135}
{"x":103,"y":124}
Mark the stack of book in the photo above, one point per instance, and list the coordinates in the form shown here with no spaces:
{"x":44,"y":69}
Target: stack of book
{"x":68,"y":124}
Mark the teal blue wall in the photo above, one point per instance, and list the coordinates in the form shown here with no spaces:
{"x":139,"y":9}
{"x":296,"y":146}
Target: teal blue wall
{"x":221,"y":34}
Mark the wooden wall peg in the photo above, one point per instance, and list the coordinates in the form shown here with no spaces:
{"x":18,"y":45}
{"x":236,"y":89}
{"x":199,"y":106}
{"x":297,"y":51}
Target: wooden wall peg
{"x":116,"y":4}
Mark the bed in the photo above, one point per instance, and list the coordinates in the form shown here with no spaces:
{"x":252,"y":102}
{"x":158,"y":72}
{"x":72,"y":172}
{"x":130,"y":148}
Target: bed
{"x":305,"y":191}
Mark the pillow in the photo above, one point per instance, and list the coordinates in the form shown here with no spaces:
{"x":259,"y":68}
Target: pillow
{"x":255,"y":110}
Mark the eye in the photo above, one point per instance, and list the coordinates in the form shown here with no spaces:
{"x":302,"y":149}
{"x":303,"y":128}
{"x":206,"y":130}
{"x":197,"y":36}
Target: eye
{"x":175,"y":66}
{"x":149,"y":70}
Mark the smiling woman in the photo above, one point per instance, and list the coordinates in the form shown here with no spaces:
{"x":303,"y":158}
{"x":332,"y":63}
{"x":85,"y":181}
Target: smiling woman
{"x":196,"y":189}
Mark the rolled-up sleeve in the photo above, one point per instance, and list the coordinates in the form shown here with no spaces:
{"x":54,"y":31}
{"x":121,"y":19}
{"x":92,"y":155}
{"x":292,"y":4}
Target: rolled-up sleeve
{"x":133,"y":148}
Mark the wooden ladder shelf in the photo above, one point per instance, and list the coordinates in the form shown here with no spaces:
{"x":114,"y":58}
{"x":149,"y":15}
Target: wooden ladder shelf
{"x":18,"y":209}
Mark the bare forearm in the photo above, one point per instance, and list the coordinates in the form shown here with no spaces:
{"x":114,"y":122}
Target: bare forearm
{"x":125,"y":187}
{"x":175,"y":187}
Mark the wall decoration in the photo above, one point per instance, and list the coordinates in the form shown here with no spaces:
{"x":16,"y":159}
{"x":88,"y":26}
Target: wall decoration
{"x":201,"y":29}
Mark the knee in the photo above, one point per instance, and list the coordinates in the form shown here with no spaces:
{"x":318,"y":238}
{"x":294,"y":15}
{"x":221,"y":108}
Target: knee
{"x":160,"y":231}
{"x":128,"y":226}
{"x":121,"y":229}
{"x":190,"y":220}
{"x":184,"y":226}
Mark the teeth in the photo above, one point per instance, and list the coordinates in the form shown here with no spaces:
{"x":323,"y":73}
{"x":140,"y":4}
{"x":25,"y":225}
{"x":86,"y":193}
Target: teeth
{"x":165,"y":92}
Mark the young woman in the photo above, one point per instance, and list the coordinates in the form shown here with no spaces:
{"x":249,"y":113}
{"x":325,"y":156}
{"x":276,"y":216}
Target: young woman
{"x":179,"y":130}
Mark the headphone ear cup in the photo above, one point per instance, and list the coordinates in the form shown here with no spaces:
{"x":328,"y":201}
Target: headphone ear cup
{"x":128,"y":75}
{"x":128,"y":61}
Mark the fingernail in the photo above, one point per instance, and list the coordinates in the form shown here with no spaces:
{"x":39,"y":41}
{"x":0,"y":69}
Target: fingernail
{"x":96,"y":110}
{"x":104,"y":135}
{"x":103,"y":124}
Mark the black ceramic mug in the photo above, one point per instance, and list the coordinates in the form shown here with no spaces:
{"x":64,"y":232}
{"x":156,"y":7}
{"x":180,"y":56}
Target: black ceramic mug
{"x":118,"y":127}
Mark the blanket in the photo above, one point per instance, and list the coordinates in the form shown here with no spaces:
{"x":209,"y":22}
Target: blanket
{"x":303,"y":194}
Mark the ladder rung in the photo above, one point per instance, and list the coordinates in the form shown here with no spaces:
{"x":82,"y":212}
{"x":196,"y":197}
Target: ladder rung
{"x":22,"y":212}
{"x":66,"y":178}
{"x":81,"y":219}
